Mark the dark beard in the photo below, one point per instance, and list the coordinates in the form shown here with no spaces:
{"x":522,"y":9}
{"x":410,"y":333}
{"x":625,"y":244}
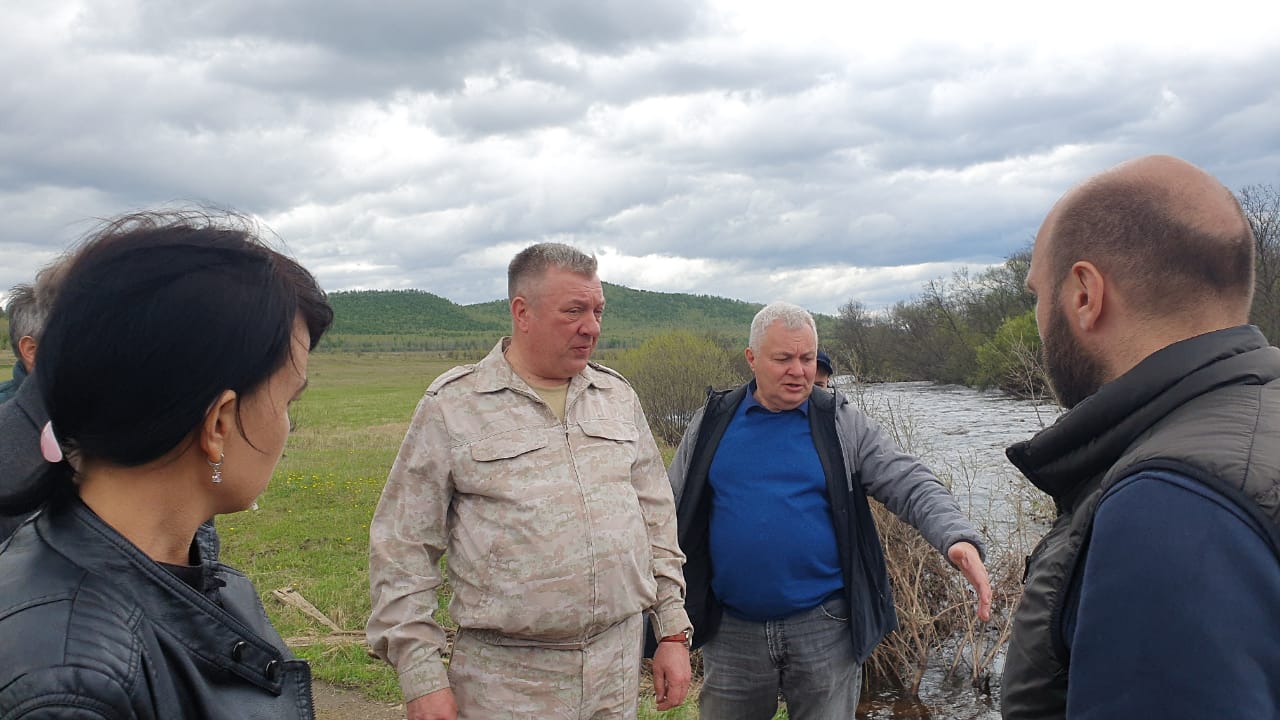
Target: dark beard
{"x":1073,"y":374}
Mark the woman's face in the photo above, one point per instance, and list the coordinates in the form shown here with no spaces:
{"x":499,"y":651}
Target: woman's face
{"x":264,"y":416}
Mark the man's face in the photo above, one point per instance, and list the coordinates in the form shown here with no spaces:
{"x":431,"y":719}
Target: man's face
{"x":821,"y":378}
{"x":1074,"y":374}
{"x":784,"y":367}
{"x":563,"y":311}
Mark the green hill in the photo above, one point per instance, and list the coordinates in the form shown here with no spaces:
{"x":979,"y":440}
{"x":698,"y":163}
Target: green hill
{"x":403,"y":312}
{"x":417,"y":320}
{"x":631,"y":315}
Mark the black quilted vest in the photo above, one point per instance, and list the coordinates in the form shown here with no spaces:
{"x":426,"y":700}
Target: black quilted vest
{"x":1196,"y":408}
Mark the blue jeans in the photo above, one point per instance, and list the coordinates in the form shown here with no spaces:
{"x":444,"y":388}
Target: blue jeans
{"x":807,"y":657}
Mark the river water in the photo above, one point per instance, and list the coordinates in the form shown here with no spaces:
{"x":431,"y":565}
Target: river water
{"x":961,"y":433}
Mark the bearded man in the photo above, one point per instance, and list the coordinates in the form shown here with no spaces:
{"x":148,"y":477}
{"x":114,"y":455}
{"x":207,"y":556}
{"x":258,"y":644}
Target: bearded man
{"x":1155,"y":593}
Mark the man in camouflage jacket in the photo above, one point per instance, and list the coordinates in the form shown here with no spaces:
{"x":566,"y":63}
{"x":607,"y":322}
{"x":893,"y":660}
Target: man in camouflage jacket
{"x":536,"y":472}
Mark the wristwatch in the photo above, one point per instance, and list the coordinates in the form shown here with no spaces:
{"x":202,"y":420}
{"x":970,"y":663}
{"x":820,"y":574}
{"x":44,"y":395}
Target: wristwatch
{"x":685,"y":637}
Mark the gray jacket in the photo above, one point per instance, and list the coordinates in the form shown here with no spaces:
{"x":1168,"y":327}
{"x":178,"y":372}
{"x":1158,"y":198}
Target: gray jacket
{"x":21,"y":465}
{"x":860,"y":460}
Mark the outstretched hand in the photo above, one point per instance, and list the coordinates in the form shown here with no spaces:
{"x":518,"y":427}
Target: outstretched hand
{"x":965,"y":557}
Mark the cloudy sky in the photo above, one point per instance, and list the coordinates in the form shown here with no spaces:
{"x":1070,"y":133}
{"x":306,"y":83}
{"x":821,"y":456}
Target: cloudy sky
{"x":811,"y":151}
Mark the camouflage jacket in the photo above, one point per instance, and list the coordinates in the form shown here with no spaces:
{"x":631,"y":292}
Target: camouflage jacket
{"x":554,"y":531}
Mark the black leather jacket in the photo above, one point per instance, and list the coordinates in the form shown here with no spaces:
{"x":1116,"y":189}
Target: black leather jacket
{"x":90,"y":627}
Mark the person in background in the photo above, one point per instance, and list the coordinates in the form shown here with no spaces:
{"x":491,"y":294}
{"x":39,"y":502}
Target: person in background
{"x":21,"y":466}
{"x":535,"y":471}
{"x":822,"y":374}
{"x":1155,"y":593}
{"x":787,"y":584}
{"x":167,"y":367}
{"x":21,"y":410}
{"x":26,"y":320}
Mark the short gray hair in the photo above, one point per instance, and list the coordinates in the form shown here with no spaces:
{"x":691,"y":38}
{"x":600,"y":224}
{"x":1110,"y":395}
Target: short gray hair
{"x":29,"y":305}
{"x":24,"y":315}
{"x":534,"y":261}
{"x":792,"y":317}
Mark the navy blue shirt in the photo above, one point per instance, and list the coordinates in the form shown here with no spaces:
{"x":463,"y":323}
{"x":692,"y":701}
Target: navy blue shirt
{"x":1176,"y":613}
{"x":773,"y":545}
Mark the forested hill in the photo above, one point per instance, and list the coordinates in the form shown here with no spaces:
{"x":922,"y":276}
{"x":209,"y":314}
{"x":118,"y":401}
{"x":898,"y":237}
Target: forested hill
{"x":405,"y":312}
{"x":417,"y":320}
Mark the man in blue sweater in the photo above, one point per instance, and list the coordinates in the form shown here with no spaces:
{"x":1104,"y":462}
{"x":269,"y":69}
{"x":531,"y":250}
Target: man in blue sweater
{"x":1156,"y":594}
{"x":786,"y":582}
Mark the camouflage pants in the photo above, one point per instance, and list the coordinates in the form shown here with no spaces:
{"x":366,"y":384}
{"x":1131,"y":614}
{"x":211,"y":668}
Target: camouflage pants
{"x":495,"y":680}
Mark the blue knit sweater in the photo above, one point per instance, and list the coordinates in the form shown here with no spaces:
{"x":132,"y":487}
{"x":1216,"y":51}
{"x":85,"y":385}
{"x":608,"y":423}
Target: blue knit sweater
{"x":773,"y":546}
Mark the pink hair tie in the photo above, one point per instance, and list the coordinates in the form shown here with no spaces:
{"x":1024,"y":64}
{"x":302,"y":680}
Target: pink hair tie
{"x":49,"y":446}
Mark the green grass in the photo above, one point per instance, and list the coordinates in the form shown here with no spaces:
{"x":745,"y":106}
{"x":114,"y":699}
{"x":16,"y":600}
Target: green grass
{"x":311,"y":531}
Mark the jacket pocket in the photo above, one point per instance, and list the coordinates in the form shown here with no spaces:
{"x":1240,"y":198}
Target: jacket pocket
{"x":507,"y":445}
{"x":506,"y":467}
{"x":608,"y":429}
{"x":606,"y":450}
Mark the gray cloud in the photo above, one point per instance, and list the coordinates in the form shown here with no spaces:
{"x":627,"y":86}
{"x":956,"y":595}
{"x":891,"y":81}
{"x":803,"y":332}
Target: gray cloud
{"x":358,"y":49}
{"x":419,"y":145}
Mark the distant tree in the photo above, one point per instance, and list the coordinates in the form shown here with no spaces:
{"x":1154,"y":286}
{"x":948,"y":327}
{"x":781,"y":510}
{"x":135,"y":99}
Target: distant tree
{"x":996,"y":294}
{"x":934,"y":341}
{"x":735,"y":348}
{"x":857,"y":337}
{"x":671,"y":373}
{"x":1011,"y":360}
{"x":1261,"y":205}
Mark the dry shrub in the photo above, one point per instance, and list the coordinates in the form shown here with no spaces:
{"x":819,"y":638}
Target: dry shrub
{"x":936,"y":606}
{"x":937,"y":619}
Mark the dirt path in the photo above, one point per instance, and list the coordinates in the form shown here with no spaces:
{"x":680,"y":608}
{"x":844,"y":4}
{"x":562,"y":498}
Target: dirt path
{"x":334,"y":703}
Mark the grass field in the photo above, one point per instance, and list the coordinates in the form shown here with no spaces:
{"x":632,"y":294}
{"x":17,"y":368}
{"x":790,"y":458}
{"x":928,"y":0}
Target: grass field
{"x":310,"y":532}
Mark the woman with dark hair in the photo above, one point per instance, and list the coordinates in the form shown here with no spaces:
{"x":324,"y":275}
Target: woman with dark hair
{"x":168,"y":364}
